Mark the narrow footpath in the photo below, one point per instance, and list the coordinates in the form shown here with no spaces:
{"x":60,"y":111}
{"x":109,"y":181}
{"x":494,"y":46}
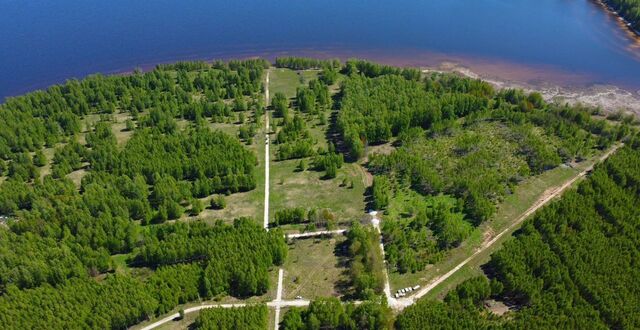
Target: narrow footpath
{"x":266,"y":154}
{"x":278,"y":298}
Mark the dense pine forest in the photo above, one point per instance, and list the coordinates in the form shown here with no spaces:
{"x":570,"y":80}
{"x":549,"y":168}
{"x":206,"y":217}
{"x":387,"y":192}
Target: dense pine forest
{"x":572,"y":266}
{"x":70,"y":230}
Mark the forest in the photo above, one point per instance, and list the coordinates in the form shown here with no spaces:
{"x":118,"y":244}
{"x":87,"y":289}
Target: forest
{"x":192,"y":261}
{"x":573,"y":265}
{"x":102,"y":181}
{"x":365,"y":269}
{"x":458,"y":147}
{"x":629,"y":9}
{"x":74,"y":231}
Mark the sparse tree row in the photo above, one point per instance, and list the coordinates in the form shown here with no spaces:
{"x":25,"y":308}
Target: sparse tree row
{"x":454,"y":138}
{"x":629,"y":9}
{"x":251,"y":317}
{"x":314,"y":218}
{"x":302,"y":63}
{"x":572,"y":266}
{"x":330,"y":313}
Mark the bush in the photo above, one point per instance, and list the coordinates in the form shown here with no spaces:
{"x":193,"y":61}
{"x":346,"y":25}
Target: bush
{"x":289,"y":216}
{"x":196,"y":206}
{"x":218,"y":202}
{"x":39,"y":159}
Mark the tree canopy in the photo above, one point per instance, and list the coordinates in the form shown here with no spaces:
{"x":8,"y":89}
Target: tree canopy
{"x":570,"y":266}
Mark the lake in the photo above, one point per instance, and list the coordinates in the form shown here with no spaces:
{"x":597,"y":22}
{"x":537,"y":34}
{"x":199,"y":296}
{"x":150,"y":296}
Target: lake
{"x":573,"y":42}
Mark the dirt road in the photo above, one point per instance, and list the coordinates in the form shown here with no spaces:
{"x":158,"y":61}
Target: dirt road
{"x":266,"y":155}
{"x":546,"y":198}
{"x":316,"y":233}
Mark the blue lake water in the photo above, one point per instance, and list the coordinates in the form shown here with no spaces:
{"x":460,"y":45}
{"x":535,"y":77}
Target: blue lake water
{"x":569,"y":41}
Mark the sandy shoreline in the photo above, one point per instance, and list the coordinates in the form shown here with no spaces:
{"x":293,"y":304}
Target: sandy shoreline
{"x":607,"y":97}
{"x":552,"y":83}
{"x":623,"y":21}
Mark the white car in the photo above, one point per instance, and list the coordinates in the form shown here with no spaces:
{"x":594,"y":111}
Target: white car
{"x":299,"y":297}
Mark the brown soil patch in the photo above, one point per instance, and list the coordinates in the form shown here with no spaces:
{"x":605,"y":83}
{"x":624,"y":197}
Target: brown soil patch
{"x":496,"y":307}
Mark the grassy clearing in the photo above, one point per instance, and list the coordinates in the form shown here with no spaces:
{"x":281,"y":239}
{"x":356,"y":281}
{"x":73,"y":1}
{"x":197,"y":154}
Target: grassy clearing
{"x":287,"y":81}
{"x":120,"y":267}
{"x":313,"y":268}
{"x":46,"y":169}
{"x":307,"y":189}
{"x":527,"y":193}
{"x":317,"y":130}
{"x":284,"y":81}
{"x":308,"y":75}
{"x":76,"y":177}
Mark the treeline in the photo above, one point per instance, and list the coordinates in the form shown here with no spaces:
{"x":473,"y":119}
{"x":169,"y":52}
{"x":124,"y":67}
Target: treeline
{"x":372,"y":70}
{"x":152,"y":179}
{"x":629,"y":9}
{"x":49,"y":261}
{"x":290,"y":216}
{"x":374,"y":110}
{"x":250,"y":317}
{"x":571,"y":266}
{"x":330,"y":313}
{"x":115,"y":303}
{"x":302,"y":63}
{"x":365,"y":268}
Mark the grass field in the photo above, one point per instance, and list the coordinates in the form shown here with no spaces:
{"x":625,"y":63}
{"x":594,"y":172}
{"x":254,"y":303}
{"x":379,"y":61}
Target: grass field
{"x":510,"y":209}
{"x":307,"y":189}
{"x":314,"y":268}
{"x":287,"y":81}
